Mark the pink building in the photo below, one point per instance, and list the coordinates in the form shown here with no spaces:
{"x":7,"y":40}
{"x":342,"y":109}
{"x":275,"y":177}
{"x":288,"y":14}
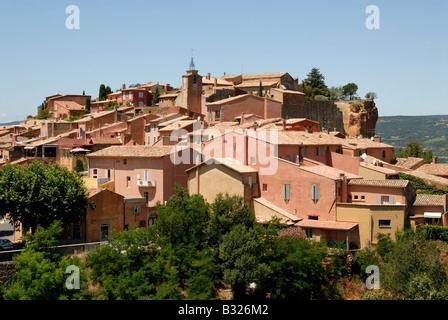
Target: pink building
{"x":139,"y":172}
{"x":231,"y":108}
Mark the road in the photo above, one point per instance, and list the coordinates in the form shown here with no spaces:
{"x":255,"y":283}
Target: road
{"x":6,"y":230}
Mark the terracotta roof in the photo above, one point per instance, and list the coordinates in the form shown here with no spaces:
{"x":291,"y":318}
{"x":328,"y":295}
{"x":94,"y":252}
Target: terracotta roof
{"x":438,"y":169}
{"x":102,"y":140}
{"x":409,"y":163}
{"x":329,"y":172}
{"x":228,"y":162}
{"x":256,"y":83}
{"x":94,"y":191}
{"x":389,"y":183}
{"x":263,"y":75}
{"x":70,"y":105}
{"x":284,"y":215}
{"x":428,"y":200}
{"x":329,"y":225}
{"x":177,"y":125}
{"x":378,"y":168}
{"x":133,"y":152}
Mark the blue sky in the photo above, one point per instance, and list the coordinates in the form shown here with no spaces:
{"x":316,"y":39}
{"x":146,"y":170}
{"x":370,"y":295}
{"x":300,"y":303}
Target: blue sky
{"x":404,"y":62}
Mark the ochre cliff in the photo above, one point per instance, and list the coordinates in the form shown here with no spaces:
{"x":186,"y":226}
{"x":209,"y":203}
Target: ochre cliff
{"x":359,"y":116}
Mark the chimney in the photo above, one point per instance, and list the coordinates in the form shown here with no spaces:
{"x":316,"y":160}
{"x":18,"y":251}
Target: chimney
{"x":343,"y":187}
{"x":208,"y":76}
{"x":123,"y":86}
{"x":265,"y":107}
{"x":377,"y":138}
{"x":97,"y":99}
{"x":434,"y":160}
{"x":284,"y":124}
{"x":215,"y":82}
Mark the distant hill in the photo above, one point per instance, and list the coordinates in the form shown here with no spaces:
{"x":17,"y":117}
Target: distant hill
{"x":12,"y":123}
{"x":430,"y":131}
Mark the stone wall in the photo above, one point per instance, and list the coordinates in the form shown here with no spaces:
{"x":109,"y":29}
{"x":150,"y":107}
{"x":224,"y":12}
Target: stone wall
{"x":325,"y":112}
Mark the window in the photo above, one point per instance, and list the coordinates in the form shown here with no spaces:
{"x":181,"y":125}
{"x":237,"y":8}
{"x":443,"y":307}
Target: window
{"x":309,"y":232}
{"x":152,"y":219}
{"x":140,"y":104}
{"x":95,"y":173}
{"x":313,"y":217}
{"x":125,"y":161}
{"x":142,"y":223}
{"x":286,"y":193}
{"x":250,"y":182}
{"x":384,"y":223}
{"x":217,"y":114}
{"x":384,"y":153}
{"x":363,"y":197}
{"x":385,"y":200}
{"x":124,"y":96}
{"x":356,"y":197}
{"x":146,"y":175}
{"x":146,"y":197}
{"x":104,"y":231}
{"x":310,"y":127}
{"x":265,"y":187}
{"x":252,"y":160}
{"x":306,"y":152}
{"x":76,"y":231}
{"x":304,"y":127}
{"x":210,"y":115}
{"x":322,"y":151}
{"x":288,"y":158}
{"x":316,"y":151}
{"x":136,"y":208}
{"x":315,"y":192}
{"x":128,"y":180}
{"x":140,"y":94}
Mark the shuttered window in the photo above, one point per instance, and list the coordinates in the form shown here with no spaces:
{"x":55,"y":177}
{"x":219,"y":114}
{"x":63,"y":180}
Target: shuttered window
{"x":286,"y":192}
{"x":315,"y":192}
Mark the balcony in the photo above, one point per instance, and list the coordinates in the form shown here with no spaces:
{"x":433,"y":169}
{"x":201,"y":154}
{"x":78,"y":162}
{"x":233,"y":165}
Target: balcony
{"x":144,"y":183}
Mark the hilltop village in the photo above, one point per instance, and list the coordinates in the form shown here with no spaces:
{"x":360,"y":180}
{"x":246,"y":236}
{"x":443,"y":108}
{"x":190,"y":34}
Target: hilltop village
{"x":251,"y":135}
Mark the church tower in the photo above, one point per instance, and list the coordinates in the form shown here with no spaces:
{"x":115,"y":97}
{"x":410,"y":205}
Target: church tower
{"x":192,"y":89}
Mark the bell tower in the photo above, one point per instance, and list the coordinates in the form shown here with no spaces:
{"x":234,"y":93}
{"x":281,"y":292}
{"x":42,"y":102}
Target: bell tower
{"x":192,"y":89}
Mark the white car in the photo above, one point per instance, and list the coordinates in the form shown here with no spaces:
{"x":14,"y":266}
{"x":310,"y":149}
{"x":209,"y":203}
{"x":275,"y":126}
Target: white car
{"x":5,"y":244}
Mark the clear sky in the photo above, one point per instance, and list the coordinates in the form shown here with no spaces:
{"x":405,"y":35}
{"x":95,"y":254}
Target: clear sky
{"x":404,"y":62}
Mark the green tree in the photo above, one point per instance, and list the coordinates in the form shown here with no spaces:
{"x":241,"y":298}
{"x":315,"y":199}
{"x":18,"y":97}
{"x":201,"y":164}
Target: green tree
{"x":227,"y":212}
{"x":38,"y":194}
{"x":316,"y":81}
{"x":371,"y":95}
{"x":40,"y":270}
{"x":79,"y":165}
{"x":102,"y":94}
{"x":335,"y":93}
{"x":350,"y":90}
{"x":413,"y":269}
{"x":183,"y":218}
{"x":414,"y":149}
{"x":241,"y":251}
{"x":43,"y":114}
{"x":108,"y":90}
{"x":87,"y":109}
{"x":260,"y":90}
{"x":155,"y":96}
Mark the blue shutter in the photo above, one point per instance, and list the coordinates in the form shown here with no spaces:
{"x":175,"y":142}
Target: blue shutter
{"x":378,"y":199}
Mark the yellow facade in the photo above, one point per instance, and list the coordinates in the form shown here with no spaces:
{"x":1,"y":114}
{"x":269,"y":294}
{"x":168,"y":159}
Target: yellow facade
{"x":368,"y":217}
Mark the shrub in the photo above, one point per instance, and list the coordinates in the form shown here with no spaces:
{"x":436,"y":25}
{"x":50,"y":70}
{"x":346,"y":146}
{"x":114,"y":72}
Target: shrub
{"x":434,"y":232}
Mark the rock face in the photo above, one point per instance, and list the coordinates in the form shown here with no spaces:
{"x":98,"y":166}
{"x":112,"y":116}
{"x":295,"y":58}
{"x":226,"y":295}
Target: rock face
{"x":359,"y":117}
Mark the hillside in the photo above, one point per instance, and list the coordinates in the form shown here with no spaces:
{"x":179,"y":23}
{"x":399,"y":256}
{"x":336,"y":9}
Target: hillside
{"x":430,"y":131}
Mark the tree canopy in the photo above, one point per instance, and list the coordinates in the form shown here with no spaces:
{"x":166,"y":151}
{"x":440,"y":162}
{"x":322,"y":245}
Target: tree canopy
{"x":314,"y":84}
{"x":38,"y":194}
{"x":414,"y":149}
{"x":350,"y":90}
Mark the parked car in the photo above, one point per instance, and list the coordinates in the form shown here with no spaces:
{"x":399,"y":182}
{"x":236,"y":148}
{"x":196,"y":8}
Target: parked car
{"x":5,"y":244}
